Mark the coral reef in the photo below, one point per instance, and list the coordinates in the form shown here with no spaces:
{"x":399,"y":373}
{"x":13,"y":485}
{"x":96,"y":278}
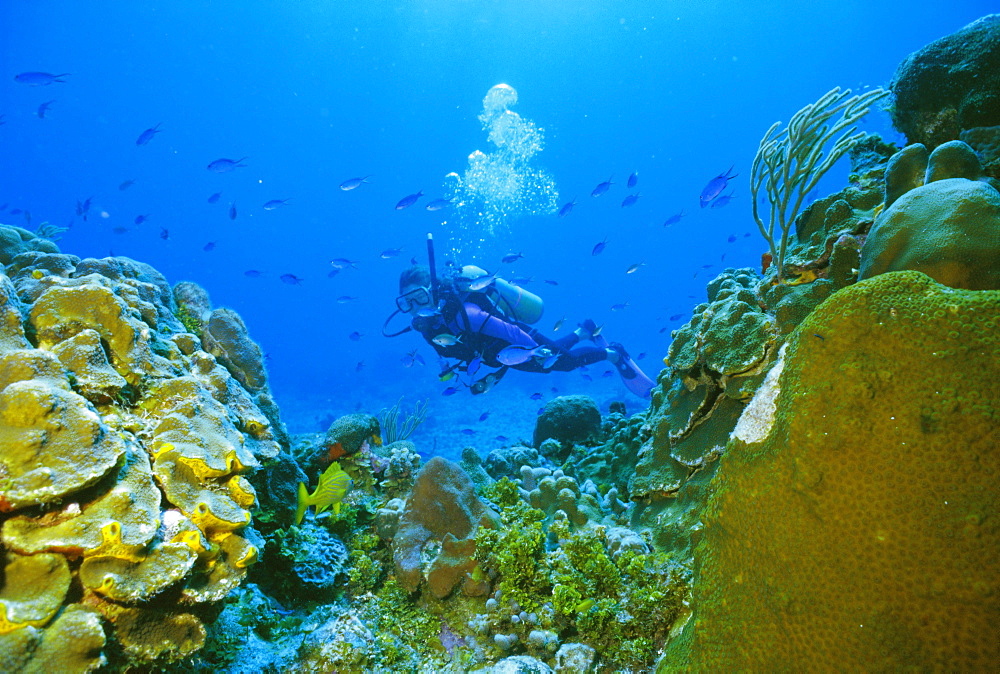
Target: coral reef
{"x":15,"y":240}
{"x":125,"y":450}
{"x":950,"y":85}
{"x":568,"y":419}
{"x":872,"y":453}
{"x":940,"y":219}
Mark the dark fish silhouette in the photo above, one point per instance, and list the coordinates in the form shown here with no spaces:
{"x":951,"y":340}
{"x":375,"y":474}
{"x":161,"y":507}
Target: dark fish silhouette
{"x":602,"y":188}
{"x":408,"y":200}
{"x":353,"y":183}
{"x":139,"y":219}
{"x":126,"y":184}
{"x":511,"y":257}
{"x":252,"y":273}
{"x":633,"y":179}
{"x":43,"y":108}
{"x":209,"y":247}
{"x":567,"y":208}
{"x":722,"y":200}
{"x":291,"y":279}
{"x":599,"y":247}
{"x":224,"y":165}
{"x":674,"y":219}
{"x":214,"y":198}
{"x":275,"y":203}
{"x":630,"y":200}
{"x":232,"y":211}
{"x":147,"y":135}
{"x":438,"y":204}
{"x":38,"y":79}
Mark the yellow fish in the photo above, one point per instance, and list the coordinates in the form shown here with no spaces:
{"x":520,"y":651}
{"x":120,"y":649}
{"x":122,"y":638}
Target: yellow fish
{"x":334,"y":484}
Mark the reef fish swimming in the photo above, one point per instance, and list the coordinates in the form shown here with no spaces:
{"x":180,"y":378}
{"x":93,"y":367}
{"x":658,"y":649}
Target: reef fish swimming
{"x":715,"y":187}
{"x":334,"y":485}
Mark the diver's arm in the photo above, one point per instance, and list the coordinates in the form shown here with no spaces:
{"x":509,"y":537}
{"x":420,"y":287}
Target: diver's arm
{"x":491,"y":326}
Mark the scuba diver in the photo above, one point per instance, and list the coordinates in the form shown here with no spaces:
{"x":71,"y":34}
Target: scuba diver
{"x":482,"y":321}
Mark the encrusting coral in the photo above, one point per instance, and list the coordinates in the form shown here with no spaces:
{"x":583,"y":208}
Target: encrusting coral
{"x":852,"y":523}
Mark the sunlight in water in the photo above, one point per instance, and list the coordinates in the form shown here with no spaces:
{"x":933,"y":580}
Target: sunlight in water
{"x":501,"y":184}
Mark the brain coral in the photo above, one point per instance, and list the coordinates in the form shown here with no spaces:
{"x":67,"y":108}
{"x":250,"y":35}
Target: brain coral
{"x":124,"y":451}
{"x":858,"y":529}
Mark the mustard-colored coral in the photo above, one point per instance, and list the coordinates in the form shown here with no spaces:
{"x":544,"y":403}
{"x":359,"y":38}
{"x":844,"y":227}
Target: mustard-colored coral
{"x":861,"y":533}
{"x":34,"y":588}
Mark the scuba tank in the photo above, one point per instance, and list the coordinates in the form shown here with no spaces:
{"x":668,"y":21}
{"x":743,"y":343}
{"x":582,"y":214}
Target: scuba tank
{"x":516,"y":302}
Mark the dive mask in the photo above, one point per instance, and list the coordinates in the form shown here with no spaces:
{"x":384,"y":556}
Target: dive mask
{"x":414,"y":298}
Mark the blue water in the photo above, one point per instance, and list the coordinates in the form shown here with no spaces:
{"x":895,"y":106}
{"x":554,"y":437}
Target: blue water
{"x":314,"y":93}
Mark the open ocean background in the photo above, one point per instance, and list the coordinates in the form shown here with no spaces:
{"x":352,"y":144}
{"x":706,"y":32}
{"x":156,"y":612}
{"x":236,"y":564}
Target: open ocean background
{"x":314,"y":93}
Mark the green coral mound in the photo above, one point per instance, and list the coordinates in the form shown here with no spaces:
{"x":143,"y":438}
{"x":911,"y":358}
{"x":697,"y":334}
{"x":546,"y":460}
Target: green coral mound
{"x":854,"y":513}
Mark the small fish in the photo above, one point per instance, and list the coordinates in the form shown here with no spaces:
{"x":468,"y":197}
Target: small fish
{"x":446,"y":376}
{"x":408,"y":200}
{"x":450,"y":391}
{"x":214,"y":198}
{"x":551,"y":360}
{"x":707,"y":266}
{"x":209,"y":247}
{"x":511,"y":258}
{"x":747,"y":235}
{"x":354,"y":183}
{"x":515,"y":354}
{"x":341,"y":262}
{"x":412,"y":358}
{"x":587,"y":377}
{"x":164,"y":234}
{"x":676,"y":317}
{"x":360,"y":366}
{"x":224,"y":165}
{"x":607,"y":373}
{"x":468,"y":431}
{"x":567,"y":208}
{"x":621,"y":306}
{"x":438,"y":204}
{"x":120,"y":230}
{"x":43,"y":108}
{"x":232,"y":211}
{"x":275,"y":204}
{"x":484,"y":416}
{"x":551,"y":282}
{"x":819,"y":336}
{"x":482,"y":282}
{"x":634,"y":268}
{"x":732,"y":238}
{"x":559,"y":324}
{"x":473,"y":367}
{"x":602,"y":188}
{"x":148,"y":134}
{"x":82,"y":208}
{"x":126,"y":184}
{"x":34,"y":79}
{"x":390,"y":252}
{"x":599,"y":247}
{"x":630,"y":200}
{"x":633,"y":179}
{"x":355,"y":336}
{"x":445,"y":339}
{"x":344,"y":299}
{"x":139,"y":219}
{"x":252,"y":273}
{"x":521,"y":280}
{"x":502,"y":438}
{"x":715,"y":187}
{"x":535,"y":396}
{"x":722,"y":200}
{"x":642,"y":354}
{"x":674,"y":219}
{"x":291,"y":279}
{"x":334,"y":485}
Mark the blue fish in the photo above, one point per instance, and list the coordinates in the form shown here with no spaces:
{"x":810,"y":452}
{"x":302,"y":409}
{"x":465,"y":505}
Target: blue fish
{"x":502,"y":438}
{"x":511,"y":257}
{"x":232,"y":211}
{"x":291,"y":279}
{"x":360,"y":366}
{"x":438,"y":204}
{"x":450,"y":391}
{"x":468,"y":431}
{"x":602,"y":188}
{"x":408,"y":200}
{"x":621,"y":306}
{"x":515,"y":354}
{"x":599,"y":247}
{"x":630,"y":200}
{"x":633,"y":179}
{"x":587,"y":377}
{"x":126,"y":184}
{"x":164,"y":233}
{"x":715,"y":187}
{"x":224,"y":165}
{"x":674,"y":219}
{"x":355,"y":336}
{"x":38,"y":79}
{"x":209,"y":247}
{"x":722,"y":200}
{"x":567,"y":208}
{"x":139,"y":219}
{"x":344,"y":299}
{"x":535,"y":396}
{"x":214,"y":198}
{"x":275,"y":203}
{"x":148,"y":134}
{"x":551,"y":282}
{"x":732,"y":238}
{"x":676,"y":317}
{"x":43,"y":108}
{"x":473,"y":366}
{"x":484,"y":416}
{"x":390,"y":252}
{"x":353,"y":183}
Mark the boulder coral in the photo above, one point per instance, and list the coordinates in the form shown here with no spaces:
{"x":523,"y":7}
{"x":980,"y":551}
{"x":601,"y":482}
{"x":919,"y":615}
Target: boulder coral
{"x":568,"y":419}
{"x":940,"y":219}
{"x":854,"y":520}
{"x":124,"y":455}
